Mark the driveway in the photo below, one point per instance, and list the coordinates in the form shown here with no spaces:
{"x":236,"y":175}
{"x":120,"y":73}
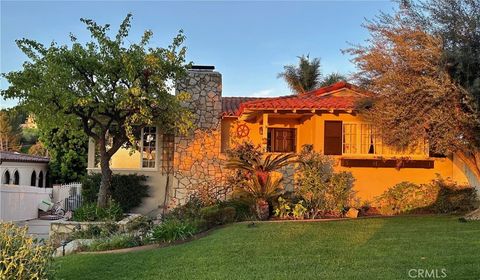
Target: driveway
{"x":37,"y":228}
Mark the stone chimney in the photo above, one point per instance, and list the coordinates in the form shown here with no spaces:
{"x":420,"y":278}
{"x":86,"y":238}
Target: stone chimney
{"x":196,"y":159}
{"x":205,"y":87}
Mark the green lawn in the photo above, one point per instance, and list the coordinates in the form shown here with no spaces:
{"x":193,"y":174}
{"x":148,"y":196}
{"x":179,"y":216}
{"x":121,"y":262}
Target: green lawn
{"x":351,"y":249}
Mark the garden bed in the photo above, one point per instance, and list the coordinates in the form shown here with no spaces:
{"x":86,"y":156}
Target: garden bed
{"x":154,"y":246}
{"x":62,"y":230}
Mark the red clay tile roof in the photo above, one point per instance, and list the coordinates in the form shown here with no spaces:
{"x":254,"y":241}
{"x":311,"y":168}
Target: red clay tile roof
{"x":230,"y":105}
{"x":18,"y":157}
{"x":334,"y":87}
{"x":318,"y":99}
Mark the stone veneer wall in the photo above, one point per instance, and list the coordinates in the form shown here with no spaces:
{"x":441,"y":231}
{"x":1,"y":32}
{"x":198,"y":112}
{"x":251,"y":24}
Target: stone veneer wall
{"x":197,"y":159}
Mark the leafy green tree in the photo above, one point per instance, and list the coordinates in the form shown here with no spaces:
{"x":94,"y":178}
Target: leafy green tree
{"x":457,"y":24}
{"x":332,"y":78}
{"x":67,"y":148}
{"x":303,"y":77}
{"x":112,"y":87}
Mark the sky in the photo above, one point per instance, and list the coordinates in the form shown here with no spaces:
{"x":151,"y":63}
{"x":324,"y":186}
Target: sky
{"x":247,"y":42}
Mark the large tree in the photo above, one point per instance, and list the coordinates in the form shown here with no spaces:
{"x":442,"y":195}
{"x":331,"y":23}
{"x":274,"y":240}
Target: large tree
{"x":305,"y":76}
{"x":111,"y":86}
{"x":332,"y":78}
{"x":9,"y":138}
{"x":408,"y":65}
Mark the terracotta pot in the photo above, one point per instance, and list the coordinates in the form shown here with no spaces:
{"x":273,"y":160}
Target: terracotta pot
{"x":262,"y":210}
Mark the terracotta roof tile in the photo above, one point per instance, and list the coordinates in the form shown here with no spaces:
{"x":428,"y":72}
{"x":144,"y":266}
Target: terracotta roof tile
{"x":230,"y":105}
{"x":317,"y":99}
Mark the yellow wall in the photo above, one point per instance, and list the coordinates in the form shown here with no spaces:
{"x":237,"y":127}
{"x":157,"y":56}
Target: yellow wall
{"x":370,"y":182}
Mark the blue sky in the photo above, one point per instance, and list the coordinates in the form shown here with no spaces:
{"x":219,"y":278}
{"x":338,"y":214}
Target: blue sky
{"x":248,"y":42}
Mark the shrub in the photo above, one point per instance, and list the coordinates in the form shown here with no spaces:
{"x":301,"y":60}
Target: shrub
{"x":299,"y":210}
{"x":115,"y":241}
{"x":188,"y":211}
{"x":89,"y":212}
{"x":439,"y":196}
{"x":92,"y":231}
{"x":21,"y":256}
{"x":127,"y":190}
{"x":141,"y":225}
{"x":283,"y":210}
{"x":216,"y":215}
{"x":286,"y":209}
{"x":243,"y":209}
{"x":171,"y":230}
{"x":321,"y":189}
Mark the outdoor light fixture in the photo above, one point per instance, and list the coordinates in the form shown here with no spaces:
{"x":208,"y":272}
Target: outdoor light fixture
{"x":63,"y":243}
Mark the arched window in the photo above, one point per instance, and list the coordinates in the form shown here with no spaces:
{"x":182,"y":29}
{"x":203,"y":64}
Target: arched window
{"x":33,"y":180}
{"x":16,"y":178}
{"x":40,"y":179}
{"x":6,"y":178}
{"x":47,"y":180}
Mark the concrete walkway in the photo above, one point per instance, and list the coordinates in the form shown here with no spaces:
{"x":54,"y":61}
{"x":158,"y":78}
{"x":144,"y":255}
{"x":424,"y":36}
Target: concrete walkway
{"x":37,"y":228}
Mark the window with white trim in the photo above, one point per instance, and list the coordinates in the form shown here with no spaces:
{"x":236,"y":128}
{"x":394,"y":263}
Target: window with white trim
{"x":140,"y":155}
{"x":369,"y":141}
{"x":365,"y":139}
{"x":349,"y":143}
{"x":149,"y":147}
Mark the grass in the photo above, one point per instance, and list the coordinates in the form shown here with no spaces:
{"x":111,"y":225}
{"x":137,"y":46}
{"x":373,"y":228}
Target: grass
{"x":384,"y":248}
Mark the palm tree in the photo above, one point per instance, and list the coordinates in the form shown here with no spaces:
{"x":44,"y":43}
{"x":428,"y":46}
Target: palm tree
{"x":332,"y":78}
{"x":260,"y":185}
{"x":304,"y":77}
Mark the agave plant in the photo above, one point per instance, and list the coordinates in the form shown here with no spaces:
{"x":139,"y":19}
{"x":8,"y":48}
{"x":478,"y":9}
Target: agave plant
{"x":260,"y":185}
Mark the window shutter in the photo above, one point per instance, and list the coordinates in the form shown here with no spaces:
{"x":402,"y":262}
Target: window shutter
{"x":332,"y":138}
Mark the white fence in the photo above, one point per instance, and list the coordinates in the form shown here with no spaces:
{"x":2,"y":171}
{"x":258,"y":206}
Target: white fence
{"x":19,"y":203}
{"x":69,"y":195}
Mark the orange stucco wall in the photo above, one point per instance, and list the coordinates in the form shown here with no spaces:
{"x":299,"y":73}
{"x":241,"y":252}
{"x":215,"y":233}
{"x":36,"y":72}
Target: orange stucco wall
{"x":370,"y":182}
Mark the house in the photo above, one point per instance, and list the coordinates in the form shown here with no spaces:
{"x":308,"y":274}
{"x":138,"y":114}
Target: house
{"x":325,"y":118}
{"x":24,"y":179}
{"x":23,"y":169}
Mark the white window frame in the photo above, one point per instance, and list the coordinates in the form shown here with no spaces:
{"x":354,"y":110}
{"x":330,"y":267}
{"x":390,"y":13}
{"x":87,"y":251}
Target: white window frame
{"x":140,"y":165}
{"x":157,"y":139}
{"x":379,"y":147}
{"x":356,"y":138}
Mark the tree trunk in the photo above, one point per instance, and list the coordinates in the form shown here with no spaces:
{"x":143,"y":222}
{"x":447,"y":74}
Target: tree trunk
{"x":262,"y":209}
{"x":472,"y":160}
{"x":104,"y":191}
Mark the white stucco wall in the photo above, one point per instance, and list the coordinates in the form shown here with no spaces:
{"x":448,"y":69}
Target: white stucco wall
{"x":20,"y":202}
{"x":25,"y":170}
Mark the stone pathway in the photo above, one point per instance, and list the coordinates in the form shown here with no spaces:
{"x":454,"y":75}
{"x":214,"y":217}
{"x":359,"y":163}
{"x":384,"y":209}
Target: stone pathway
{"x":37,"y":228}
